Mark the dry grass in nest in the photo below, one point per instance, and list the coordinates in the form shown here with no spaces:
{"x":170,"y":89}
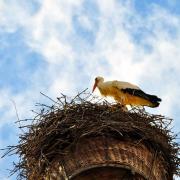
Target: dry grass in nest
{"x":57,"y":128}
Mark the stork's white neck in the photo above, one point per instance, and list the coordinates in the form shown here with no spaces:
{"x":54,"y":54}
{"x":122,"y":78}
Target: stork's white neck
{"x":100,"y":83}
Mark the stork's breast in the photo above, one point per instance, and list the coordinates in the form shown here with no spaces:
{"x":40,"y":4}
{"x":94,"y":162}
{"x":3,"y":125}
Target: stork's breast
{"x":103,"y":91}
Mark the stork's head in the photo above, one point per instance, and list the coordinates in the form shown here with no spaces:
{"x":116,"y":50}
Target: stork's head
{"x":97,"y":81}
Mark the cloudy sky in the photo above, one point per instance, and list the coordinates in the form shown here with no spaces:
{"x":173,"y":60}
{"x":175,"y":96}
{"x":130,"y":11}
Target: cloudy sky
{"x":55,"y":46}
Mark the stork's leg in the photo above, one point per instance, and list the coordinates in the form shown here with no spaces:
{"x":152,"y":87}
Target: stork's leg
{"x":124,"y":108}
{"x":121,"y":104}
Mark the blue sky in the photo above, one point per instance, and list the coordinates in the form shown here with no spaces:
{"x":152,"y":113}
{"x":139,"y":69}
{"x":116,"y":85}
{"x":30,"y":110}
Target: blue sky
{"x":60,"y":46}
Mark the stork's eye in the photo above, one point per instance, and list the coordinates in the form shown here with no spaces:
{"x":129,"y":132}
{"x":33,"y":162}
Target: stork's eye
{"x":96,"y":79}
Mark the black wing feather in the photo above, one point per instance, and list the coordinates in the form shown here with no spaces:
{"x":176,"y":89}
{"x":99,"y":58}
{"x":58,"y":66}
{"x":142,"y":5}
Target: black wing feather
{"x":140,"y":93}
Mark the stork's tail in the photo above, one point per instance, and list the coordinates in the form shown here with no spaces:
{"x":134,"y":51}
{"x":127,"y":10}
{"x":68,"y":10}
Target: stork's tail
{"x":154,"y":100}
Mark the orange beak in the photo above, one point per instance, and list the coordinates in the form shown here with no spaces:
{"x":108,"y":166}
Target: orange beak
{"x":94,"y":87}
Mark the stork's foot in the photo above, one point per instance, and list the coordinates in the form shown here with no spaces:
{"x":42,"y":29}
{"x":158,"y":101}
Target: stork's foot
{"x":124,"y":108}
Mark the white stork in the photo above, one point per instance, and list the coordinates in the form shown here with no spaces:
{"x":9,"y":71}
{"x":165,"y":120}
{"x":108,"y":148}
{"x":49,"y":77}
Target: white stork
{"x":125,"y":93}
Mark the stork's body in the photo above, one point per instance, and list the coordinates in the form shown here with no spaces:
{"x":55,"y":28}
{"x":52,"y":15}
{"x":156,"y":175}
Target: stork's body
{"x":126,"y":93}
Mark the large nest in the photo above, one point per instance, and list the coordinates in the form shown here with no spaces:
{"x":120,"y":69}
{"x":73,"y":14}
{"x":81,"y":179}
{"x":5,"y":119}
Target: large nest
{"x":57,"y":128}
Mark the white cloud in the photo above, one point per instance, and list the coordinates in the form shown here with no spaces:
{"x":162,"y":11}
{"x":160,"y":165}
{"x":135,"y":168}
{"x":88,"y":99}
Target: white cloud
{"x":55,"y":51}
{"x":85,"y":21}
{"x":13,"y":16}
{"x":48,"y":30}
